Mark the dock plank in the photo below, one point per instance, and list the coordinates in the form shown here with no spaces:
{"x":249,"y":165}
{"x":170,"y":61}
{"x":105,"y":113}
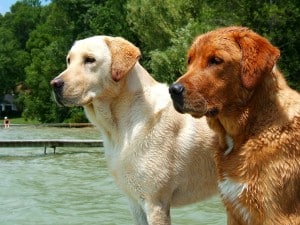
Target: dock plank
{"x":51,"y":143}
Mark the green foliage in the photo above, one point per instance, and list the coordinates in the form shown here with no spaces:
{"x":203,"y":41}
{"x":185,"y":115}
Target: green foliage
{"x":76,"y":116}
{"x":167,"y":64}
{"x":108,"y":18}
{"x":35,"y":39}
{"x":155,"y":22}
{"x":282,"y":28}
{"x":49,"y":44}
{"x":23,"y":19}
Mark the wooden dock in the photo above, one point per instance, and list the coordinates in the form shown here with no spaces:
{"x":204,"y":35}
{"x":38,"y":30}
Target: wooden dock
{"x":50,"y":143}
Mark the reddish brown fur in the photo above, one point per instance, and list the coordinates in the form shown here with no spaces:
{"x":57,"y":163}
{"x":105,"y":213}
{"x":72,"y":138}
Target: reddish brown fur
{"x":261,"y":114}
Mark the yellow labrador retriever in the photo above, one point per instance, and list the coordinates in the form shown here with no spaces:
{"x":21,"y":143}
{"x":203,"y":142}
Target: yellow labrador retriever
{"x":158,"y":157}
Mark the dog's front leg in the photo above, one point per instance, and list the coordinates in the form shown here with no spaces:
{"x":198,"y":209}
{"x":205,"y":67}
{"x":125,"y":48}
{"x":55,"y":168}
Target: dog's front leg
{"x":138,"y":213}
{"x":158,"y":213}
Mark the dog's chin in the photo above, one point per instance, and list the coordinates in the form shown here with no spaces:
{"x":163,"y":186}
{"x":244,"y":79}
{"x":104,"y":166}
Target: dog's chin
{"x":178,"y":107}
{"x":58,"y":99}
{"x":192,"y":112}
{"x":196,"y":113}
{"x":63,"y":103}
{"x":71,"y":102}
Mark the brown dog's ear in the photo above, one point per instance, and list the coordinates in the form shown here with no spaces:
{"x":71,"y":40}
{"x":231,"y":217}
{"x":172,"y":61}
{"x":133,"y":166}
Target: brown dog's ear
{"x":258,"y":57}
{"x":123,"y":54}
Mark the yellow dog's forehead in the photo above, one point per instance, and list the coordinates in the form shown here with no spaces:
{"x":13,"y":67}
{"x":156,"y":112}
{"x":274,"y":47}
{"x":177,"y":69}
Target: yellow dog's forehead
{"x":95,"y":46}
{"x":90,"y":45}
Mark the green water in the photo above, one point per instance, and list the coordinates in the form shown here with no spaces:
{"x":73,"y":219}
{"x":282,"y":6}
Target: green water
{"x":73,"y":186}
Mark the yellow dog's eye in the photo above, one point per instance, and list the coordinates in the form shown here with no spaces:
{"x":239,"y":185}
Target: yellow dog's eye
{"x":89,"y":60}
{"x":214,"y":61}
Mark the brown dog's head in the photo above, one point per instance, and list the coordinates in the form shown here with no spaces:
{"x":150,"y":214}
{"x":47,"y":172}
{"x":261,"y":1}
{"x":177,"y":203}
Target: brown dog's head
{"x":224,"y":66}
{"x":94,"y":66}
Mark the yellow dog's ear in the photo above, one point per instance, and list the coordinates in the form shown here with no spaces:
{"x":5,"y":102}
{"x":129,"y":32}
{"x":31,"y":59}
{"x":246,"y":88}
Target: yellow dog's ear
{"x":124,"y":55}
{"x":259,"y":57}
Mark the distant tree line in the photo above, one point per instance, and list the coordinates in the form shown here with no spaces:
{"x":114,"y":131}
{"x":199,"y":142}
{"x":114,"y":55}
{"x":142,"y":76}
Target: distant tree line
{"x":35,"y":38}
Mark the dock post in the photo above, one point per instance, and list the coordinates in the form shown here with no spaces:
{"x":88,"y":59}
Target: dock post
{"x":45,"y":149}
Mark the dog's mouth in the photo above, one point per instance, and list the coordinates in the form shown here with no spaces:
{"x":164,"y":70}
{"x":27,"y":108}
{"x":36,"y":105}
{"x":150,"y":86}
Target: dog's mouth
{"x":197,"y":109}
{"x":212,"y":112}
{"x":72,"y":101}
{"x":197,"y":112}
{"x":57,"y":98}
{"x":62,"y":100}
{"x":195,"y":105}
{"x":178,"y":106}
{"x":68,"y":96}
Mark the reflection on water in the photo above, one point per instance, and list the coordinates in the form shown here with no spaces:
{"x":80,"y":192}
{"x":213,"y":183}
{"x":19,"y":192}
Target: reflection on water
{"x":72,"y":186}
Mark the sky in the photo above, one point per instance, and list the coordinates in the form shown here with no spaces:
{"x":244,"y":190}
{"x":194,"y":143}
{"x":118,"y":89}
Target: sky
{"x":5,"y":5}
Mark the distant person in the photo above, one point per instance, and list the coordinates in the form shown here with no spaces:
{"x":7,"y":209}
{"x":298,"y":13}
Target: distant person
{"x":6,"y":122}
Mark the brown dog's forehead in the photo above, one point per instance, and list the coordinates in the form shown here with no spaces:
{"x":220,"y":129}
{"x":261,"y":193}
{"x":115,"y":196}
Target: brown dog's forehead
{"x":218,"y":38}
{"x":222,"y":37}
{"x":221,"y":45}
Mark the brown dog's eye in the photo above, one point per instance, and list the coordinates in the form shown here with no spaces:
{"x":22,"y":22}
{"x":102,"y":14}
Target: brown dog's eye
{"x":68,"y":60}
{"x":89,"y":60}
{"x":214,"y":61}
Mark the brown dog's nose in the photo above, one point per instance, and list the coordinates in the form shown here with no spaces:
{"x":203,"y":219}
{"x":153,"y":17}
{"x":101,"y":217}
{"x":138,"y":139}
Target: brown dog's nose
{"x":176,"y":89}
{"x":57,"y":83}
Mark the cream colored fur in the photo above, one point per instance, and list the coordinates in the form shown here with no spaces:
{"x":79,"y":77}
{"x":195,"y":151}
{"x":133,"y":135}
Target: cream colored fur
{"x":157,"y":157}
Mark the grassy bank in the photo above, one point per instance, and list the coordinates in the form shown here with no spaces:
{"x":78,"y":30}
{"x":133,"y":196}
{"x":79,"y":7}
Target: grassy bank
{"x":21,"y":120}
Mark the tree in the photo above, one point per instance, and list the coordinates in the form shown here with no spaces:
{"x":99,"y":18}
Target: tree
{"x":109,"y":18}
{"x":280,"y":24}
{"x":23,"y":19}
{"x":15,"y":27}
{"x":35,"y":39}
{"x":166,"y":33}
{"x":49,"y":44}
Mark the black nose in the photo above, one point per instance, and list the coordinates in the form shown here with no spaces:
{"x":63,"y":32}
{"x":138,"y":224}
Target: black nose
{"x":57,"y":83}
{"x":176,"y":89}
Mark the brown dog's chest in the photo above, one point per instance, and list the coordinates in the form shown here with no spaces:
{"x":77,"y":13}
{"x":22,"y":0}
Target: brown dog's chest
{"x":254,"y":176}
{"x":241,"y":184}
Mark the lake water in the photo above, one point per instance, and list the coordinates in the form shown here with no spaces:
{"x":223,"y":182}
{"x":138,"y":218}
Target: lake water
{"x":72,"y":186}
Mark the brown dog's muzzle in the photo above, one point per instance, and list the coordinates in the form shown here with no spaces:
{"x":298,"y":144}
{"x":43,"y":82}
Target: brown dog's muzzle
{"x":176,"y":91}
{"x":197,"y":107}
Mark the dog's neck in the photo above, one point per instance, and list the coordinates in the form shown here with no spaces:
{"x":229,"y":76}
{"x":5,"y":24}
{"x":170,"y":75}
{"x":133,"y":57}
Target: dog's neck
{"x":138,"y":79}
{"x":241,"y":122}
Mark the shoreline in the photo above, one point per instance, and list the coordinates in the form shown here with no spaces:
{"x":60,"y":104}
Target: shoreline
{"x":69,"y":125}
